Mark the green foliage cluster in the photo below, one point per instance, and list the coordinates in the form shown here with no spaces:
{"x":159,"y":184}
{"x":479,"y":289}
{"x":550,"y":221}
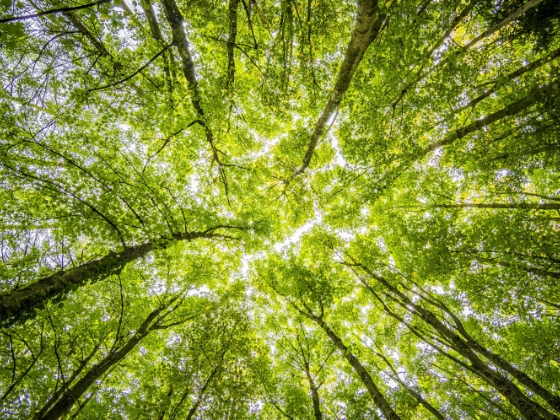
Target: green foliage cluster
{"x":300,"y":209}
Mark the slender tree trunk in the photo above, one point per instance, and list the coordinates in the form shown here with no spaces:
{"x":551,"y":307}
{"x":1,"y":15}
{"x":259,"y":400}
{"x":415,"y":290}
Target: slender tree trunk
{"x":482,"y":395}
{"x":198,"y":401}
{"x":81,"y":406}
{"x":67,"y":384}
{"x":164,"y":410}
{"x":553,"y":274}
{"x":531,"y":206}
{"x":18,"y":303}
{"x":20,"y":377}
{"x":456,"y":21}
{"x":527,"y":407}
{"x":504,"y":22}
{"x":522,"y":377}
{"x":511,"y":76}
{"x":67,"y":400}
{"x":150,"y":15}
{"x":536,"y":95}
{"x":365,"y":377}
{"x":176,"y":21}
{"x":86,"y":32}
{"x":233,"y":5}
{"x":156,"y":34}
{"x":498,"y":361}
{"x":412,"y":392}
{"x":82,"y":28}
{"x":202,"y":391}
{"x":471,"y":44}
{"x":367,"y":27}
{"x":314,"y":395}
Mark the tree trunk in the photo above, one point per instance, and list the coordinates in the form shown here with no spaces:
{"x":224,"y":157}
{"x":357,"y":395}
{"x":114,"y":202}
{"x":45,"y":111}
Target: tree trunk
{"x":176,"y":21}
{"x":67,"y":400}
{"x":503,"y":23}
{"x":314,"y":396}
{"x":367,"y":27}
{"x":18,"y":303}
{"x":86,"y":32}
{"x":536,"y":95}
{"x":553,"y":274}
{"x":465,"y":48}
{"x":511,"y":76}
{"x":67,"y":384}
{"x":498,"y":361}
{"x":155,"y":30}
{"x":527,"y":407}
{"x":366,"y":378}
{"x":412,"y":392}
{"x":421,"y":74}
{"x":198,"y":401}
{"x":54,"y":11}
{"x":233,"y":4}
{"x":530,"y":206}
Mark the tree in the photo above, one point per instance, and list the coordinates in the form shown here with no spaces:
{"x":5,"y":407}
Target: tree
{"x":293,"y":209}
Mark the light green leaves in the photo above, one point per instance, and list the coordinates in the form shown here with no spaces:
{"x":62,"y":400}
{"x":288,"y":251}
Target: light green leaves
{"x":102,"y":149}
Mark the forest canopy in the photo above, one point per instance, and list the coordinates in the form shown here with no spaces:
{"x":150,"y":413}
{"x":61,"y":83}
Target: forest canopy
{"x":288,"y":209}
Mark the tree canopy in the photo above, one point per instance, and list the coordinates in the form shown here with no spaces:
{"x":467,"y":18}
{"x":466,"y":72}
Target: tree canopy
{"x":280,"y":209}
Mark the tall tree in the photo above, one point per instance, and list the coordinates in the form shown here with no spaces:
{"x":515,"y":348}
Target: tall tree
{"x":356,"y":203}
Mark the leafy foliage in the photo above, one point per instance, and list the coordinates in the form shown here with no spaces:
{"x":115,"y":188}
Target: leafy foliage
{"x":279,"y":209}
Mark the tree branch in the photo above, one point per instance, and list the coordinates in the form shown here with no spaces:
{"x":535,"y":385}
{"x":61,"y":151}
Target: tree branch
{"x":53,"y":11}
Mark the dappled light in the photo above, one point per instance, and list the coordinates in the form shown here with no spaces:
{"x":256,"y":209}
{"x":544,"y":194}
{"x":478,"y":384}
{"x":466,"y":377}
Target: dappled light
{"x":289,"y":209}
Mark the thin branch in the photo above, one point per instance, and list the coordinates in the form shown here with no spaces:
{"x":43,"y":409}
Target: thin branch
{"x":54,"y":11}
{"x":155,"y":57}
